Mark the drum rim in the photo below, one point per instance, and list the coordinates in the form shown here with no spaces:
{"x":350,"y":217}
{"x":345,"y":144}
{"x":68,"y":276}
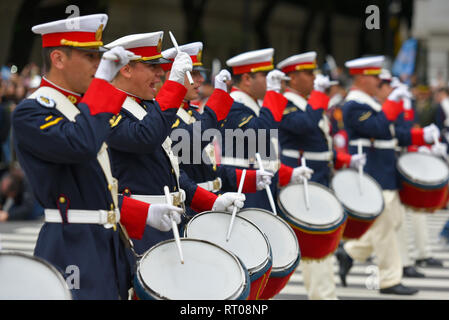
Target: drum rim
{"x":437,"y":184}
{"x":68,"y":293}
{"x":298,"y":255}
{"x":295,"y":220}
{"x":353,"y":212}
{"x":158,"y":296}
{"x":257,"y":268}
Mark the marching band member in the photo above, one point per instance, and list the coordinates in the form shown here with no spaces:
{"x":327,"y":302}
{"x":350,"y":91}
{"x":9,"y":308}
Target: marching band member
{"x":59,"y":137}
{"x":420,"y":234}
{"x":140,"y":145}
{"x":210,"y":176}
{"x":251,"y":85}
{"x":373,"y":124}
{"x":305,"y":132}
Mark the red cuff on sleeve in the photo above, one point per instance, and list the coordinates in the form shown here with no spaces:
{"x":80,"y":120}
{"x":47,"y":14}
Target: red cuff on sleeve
{"x":203,"y":200}
{"x":392,"y":109}
{"x":133,"y":216}
{"x":318,"y":100}
{"x":220,"y":102}
{"x":276,"y":103}
{"x":171,"y":95}
{"x":343,"y":160}
{"x":412,"y":148}
{"x":409,"y":115}
{"x":249,"y":185}
{"x":417,"y":136}
{"x":101,"y":96}
{"x":285,"y":175}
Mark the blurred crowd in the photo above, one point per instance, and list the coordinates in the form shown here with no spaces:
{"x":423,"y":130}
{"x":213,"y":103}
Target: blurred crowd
{"x":16,"y":199}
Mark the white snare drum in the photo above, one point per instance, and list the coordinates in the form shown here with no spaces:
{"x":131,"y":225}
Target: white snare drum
{"x":25,"y":277}
{"x":318,"y":228}
{"x":208,"y":272}
{"x":284,"y":246}
{"x":362,"y":206}
{"x":247,"y":242}
{"x":424,"y":181}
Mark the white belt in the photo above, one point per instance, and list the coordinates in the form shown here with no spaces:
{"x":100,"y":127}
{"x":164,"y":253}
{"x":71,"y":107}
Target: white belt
{"x":271,"y":165}
{"x":212,"y":185}
{"x":106,"y":218}
{"x":378,"y":144}
{"x":177,"y":198}
{"x":308,"y":155}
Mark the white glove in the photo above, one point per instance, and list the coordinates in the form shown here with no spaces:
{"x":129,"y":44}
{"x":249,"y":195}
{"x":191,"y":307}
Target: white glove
{"x":401,"y":92}
{"x":112,"y":61}
{"x":221,"y":78}
{"x":181,"y":65}
{"x":339,"y":140}
{"x":228,"y":200}
{"x":358,"y":160}
{"x":299,"y":173}
{"x":431,"y":132}
{"x":424,"y":149}
{"x":395,"y":82}
{"x":321,"y":83}
{"x":274,"y":79}
{"x":440,"y":149}
{"x":159,"y":216}
{"x":263,"y":178}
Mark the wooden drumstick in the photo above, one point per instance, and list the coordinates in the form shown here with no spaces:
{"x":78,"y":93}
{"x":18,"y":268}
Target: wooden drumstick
{"x":175,"y":44}
{"x":267,"y":187}
{"x":174,"y":225}
{"x":306,"y":185}
{"x":359,"y":151}
{"x":234,"y":212}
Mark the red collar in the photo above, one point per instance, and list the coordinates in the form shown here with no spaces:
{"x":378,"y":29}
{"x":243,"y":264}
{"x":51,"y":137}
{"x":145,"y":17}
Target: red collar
{"x":74,"y":98}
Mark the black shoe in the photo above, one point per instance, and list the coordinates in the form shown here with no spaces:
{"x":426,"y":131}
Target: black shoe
{"x":429,"y":262}
{"x":399,"y":289}
{"x":411,"y":272}
{"x":345,"y":264}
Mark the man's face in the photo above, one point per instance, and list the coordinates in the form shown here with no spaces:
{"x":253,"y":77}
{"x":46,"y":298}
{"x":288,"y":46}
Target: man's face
{"x":304,"y":81}
{"x":193,"y":91}
{"x":258,"y":85}
{"x":371,"y":84}
{"x":79,"y":69}
{"x":384,"y":91}
{"x":144,"y":78}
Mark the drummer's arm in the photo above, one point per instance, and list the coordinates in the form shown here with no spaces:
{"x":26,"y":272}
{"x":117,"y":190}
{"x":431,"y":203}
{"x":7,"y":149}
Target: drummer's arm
{"x":341,"y":159}
{"x":133,"y":216}
{"x":365,"y":122}
{"x":231,"y":177}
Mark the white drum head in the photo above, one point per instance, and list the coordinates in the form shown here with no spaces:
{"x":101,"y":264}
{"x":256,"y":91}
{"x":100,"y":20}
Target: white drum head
{"x":24,"y":277}
{"x":423,"y":168}
{"x":325,"y":209}
{"x":246,"y":240}
{"x":208,"y":272}
{"x":282,"y":238}
{"x":368,"y":203}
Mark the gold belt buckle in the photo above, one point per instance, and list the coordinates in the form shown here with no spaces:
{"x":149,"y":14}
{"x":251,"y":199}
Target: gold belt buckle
{"x":177,"y":199}
{"x":216,"y":185}
{"x":112,"y":219}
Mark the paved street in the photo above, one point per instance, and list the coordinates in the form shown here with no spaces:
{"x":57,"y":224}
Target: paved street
{"x":21,"y":236}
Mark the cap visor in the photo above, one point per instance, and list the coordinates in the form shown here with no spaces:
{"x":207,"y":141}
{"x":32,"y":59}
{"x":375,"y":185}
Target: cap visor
{"x":93,"y":49}
{"x":200,"y":68}
{"x":156,"y":61}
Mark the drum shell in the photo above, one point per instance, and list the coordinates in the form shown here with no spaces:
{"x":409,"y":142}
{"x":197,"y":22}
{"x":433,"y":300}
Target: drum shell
{"x":357,"y":222}
{"x":258,"y":278}
{"x":143,"y":292}
{"x":423,"y":199}
{"x":279,"y":275}
{"x":356,"y":226}
{"x":316,"y":242}
{"x":277,"y":281}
